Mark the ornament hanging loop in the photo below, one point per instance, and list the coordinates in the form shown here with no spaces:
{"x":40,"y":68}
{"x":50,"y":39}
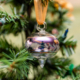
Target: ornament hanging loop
{"x":41,"y":29}
{"x":41,"y":10}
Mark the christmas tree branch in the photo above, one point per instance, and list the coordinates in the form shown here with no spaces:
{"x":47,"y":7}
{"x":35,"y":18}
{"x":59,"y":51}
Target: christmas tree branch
{"x":15,"y":65}
{"x":5,"y":46}
{"x":11,"y":24}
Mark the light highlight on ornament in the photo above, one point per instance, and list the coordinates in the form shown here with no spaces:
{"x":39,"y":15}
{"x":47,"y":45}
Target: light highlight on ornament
{"x":42,"y":44}
{"x":43,"y":39}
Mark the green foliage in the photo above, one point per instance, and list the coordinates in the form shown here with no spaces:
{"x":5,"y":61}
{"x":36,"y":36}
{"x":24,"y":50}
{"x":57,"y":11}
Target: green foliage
{"x":59,"y":64}
{"x":15,"y":65}
{"x":56,"y":65}
{"x":5,"y":46}
{"x":59,"y":22}
{"x":14,"y":24}
{"x":18,"y":2}
{"x":67,"y":46}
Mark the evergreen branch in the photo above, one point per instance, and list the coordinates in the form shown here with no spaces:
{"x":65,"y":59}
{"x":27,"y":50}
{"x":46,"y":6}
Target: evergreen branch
{"x":18,"y":2}
{"x":56,"y":65}
{"x":67,"y":47}
{"x":76,"y":71}
{"x":5,"y":46}
{"x":15,"y":66}
{"x":17,"y":63}
{"x":13,"y":24}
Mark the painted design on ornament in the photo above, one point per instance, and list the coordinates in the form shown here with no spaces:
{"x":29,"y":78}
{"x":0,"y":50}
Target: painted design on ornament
{"x":42,"y":44}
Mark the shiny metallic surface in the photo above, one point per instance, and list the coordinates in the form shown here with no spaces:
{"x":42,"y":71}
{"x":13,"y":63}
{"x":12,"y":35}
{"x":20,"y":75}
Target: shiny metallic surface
{"x":42,"y":43}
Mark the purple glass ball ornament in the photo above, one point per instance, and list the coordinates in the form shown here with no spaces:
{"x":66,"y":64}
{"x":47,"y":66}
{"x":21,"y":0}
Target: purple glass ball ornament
{"x":42,"y":44}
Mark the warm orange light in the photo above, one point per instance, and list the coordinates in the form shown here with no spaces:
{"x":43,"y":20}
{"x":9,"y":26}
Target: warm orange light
{"x":56,"y":5}
{"x":61,"y":2}
{"x":70,"y":16}
{"x":68,"y":6}
{"x":65,"y":4}
{"x":40,"y":10}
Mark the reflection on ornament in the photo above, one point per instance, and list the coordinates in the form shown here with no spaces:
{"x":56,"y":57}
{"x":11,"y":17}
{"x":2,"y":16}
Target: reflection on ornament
{"x":42,"y":44}
{"x":43,"y":39}
{"x":56,"y":41}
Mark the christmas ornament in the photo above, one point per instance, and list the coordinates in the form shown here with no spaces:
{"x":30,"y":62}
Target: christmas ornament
{"x":42,"y":45}
{"x":42,"y":42}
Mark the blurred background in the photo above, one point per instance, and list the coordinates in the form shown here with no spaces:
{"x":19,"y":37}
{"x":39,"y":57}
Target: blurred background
{"x":75,"y":30}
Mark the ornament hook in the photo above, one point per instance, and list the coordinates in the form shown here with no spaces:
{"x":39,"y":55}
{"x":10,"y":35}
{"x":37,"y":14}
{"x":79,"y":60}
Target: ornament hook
{"x":40,"y":29}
